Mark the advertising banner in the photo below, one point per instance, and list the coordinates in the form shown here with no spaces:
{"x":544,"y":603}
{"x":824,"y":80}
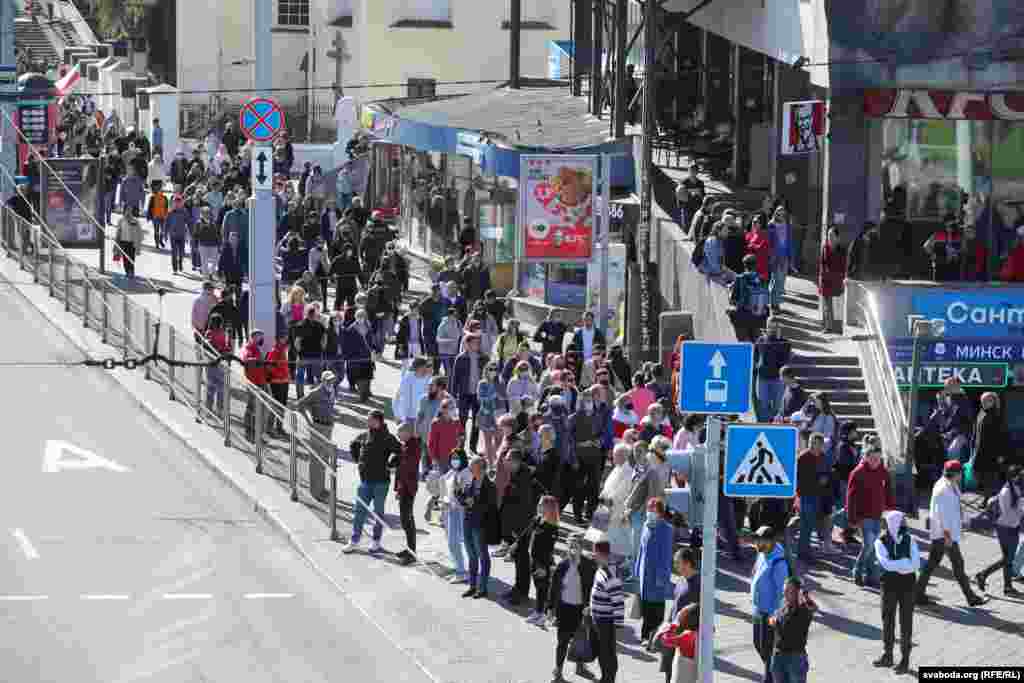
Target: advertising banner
{"x":72,"y":225}
{"x":803,"y":125}
{"x":973,"y":313}
{"x":556,"y":206}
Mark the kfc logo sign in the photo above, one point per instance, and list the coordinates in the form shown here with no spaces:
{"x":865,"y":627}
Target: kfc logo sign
{"x":943,"y":104}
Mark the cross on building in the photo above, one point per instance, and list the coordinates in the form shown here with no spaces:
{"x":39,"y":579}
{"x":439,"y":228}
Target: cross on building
{"x":339,"y":55}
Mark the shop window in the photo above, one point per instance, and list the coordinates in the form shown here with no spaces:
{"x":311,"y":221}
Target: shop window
{"x":293,"y":13}
{"x":423,"y":14}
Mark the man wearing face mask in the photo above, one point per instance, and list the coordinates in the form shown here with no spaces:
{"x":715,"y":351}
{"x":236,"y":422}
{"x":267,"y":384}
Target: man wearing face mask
{"x":456,"y":481}
{"x":255,"y":372}
{"x":590,"y":438}
{"x":570,"y":586}
{"x":900,"y":559}
{"x":319,"y":404}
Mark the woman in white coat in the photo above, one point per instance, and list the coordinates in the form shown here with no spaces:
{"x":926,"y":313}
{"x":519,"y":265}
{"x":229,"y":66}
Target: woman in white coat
{"x":615,"y":492}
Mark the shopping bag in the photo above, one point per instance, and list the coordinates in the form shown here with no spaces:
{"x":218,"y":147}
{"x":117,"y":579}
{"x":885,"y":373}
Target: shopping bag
{"x":581,"y":649}
{"x":969,"y":480}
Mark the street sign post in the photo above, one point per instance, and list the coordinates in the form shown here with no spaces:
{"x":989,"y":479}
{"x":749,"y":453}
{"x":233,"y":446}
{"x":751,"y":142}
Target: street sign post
{"x":261,"y":119}
{"x":716,"y":378}
{"x":262,"y":168}
{"x":709,"y":554}
{"x":760,"y":461}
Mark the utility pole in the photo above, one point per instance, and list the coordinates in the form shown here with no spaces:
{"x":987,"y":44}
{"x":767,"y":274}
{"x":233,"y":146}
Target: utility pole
{"x":339,"y":56}
{"x":262,"y":229}
{"x":619,"y":115}
{"x":8,"y":155}
{"x":596,"y":65}
{"x":646,"y":160}
{"x":515,"y":9}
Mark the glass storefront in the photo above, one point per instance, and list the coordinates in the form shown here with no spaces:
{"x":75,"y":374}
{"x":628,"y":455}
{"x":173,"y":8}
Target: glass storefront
{"x":937,"y":168}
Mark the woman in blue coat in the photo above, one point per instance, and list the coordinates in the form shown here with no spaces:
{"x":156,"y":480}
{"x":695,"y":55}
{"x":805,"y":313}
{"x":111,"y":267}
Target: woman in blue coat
{"x":653,"y":567}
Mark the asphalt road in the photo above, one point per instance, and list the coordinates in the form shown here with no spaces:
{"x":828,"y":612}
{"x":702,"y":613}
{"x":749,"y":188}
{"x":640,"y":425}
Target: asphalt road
{"x":144,"y":566}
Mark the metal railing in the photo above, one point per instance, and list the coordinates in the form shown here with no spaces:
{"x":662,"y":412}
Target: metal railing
{"x":887,"y":403}
{"x":136,"y":332}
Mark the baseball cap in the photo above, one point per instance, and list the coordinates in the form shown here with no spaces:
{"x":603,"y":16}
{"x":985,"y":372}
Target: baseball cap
{"x":952,"y":467}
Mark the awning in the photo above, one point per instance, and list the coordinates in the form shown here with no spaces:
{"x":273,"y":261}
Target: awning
{"x":496,"y":127}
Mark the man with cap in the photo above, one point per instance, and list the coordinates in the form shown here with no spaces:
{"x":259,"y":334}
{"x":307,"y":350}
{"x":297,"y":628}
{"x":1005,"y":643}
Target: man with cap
{"x":946,"y":521}
{"x":571,"y":583}
{"x":318,"y":404}
{"x":372,"y":451}
{"x":767,"y":585}
{"x":900,"y":559}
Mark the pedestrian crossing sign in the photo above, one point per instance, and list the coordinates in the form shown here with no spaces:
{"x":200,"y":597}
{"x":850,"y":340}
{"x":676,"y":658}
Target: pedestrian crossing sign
{"x":760,"y":461}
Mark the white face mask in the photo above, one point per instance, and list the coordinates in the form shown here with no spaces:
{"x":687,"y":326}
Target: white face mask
{"x":652,"y":517}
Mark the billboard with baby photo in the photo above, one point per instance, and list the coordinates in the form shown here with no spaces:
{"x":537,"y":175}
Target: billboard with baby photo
{"x":556,"y":206}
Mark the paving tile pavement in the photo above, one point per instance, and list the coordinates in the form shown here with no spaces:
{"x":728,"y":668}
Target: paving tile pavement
{"x":460,"y":640}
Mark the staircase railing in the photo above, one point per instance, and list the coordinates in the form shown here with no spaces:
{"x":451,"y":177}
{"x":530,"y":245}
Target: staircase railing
{"x":887,"y":403}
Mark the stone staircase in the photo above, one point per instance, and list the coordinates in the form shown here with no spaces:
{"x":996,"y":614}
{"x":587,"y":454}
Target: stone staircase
{"x":824,"y":362}
{"x":31,"y":34}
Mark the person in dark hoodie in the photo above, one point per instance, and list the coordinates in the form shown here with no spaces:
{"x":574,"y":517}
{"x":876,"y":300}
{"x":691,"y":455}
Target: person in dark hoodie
{"x":407,"y":464}
{"x":771,"y":353}
{"x":542,"y":537}
{"x":794,"y":396}
{"x":845,"y":457}
{"x":518,"y":505}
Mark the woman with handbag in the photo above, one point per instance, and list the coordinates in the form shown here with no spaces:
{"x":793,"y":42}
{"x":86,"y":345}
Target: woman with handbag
{"x":684,"y":640}
{"x":653,"y":567}
{"x":571,"y":583}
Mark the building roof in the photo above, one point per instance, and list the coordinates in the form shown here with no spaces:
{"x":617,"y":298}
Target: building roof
{"x":540,"y":114}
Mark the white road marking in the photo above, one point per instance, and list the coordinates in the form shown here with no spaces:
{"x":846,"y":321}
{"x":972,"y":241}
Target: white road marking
{"x":26,"y":545}
{"x":188,"y":596}
{"x":22,"y":598}
{"x":106,"y":596}
{"x":268,"y":596}
{"x":54,"y":460}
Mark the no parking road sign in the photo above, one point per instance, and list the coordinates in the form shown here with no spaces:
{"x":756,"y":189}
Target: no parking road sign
{"x":760,"y":461}
{"x":261,"y":119}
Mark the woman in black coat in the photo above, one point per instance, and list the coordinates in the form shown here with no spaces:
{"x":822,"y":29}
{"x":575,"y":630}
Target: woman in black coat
{"x":990,"y":446}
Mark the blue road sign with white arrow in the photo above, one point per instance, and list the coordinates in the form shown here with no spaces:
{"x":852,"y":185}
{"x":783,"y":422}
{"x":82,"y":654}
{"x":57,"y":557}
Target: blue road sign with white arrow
{"x":716,"y":378}
{"x":760,"y":461}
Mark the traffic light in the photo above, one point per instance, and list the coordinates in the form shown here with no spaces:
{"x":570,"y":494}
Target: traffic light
{"x":689,"y":463}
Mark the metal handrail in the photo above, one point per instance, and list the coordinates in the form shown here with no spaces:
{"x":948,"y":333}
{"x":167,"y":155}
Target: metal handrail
{"x":16,"y":233}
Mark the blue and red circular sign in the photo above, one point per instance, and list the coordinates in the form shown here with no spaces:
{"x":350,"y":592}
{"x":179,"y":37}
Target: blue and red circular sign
{"x":261,"y":119}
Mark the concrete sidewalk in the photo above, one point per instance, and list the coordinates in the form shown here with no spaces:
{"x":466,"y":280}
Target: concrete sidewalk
{"x":479,"y":641}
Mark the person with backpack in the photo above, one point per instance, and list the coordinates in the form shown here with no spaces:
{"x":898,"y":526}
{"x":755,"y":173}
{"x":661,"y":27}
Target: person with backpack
{"x":1007,"y":508}
{"x":749,"y":299}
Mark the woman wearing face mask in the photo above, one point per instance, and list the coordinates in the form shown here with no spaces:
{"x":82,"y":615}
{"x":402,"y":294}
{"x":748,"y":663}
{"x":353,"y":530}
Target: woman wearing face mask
{"x":614,"y":493}
{"x":357,"y":349}
{"x":456,"y":481}
{"x":519,"y":387}
{"x":649,"y":482}
{"x":624,"y":418}
{"x":653,"y":567}
{"x":486,"y":417}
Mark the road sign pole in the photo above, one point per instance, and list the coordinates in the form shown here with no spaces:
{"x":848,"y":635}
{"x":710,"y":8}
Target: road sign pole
{"x":262,"y":228}
{"x":709,"y":556}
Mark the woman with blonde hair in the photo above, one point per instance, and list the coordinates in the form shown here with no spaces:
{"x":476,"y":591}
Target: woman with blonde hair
{"x":294,"y":307}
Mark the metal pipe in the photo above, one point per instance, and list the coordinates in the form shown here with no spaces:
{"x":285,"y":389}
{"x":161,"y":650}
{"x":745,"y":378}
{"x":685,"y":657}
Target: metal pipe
{"x":260,"y":424}
{"x":35,"y":256}
{"x":621,"y":11}
{"x":105,"y":314}
{"x":199,"y":384}
{"x":515,"y":38}
{"x":226,"y":413}
{"x":126,"y":324}
{"x":333,"y":508}
{"x":85,"y":299}
{"x":53,"y":273}
{"x":293,"y":453}
{"x":67,"y":283}
{"x":147,"y":331}
{"x":170,"y":368}
{"x":596,"y":40}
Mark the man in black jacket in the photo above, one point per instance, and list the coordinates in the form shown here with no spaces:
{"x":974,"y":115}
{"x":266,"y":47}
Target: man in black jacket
{"x":518,"y":506}
{"x":568,"y":595}
{"x":771,"y":353}
{"x":551,"y":333}
{"x":794,"y":396}
{"x":371,"y":451}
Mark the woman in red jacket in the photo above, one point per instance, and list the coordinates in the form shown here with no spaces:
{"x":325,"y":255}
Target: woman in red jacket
{"x":831,"y":277}
{"x":759,"y":245}
{"x":443,"y":437}
{"x":279,"y":377}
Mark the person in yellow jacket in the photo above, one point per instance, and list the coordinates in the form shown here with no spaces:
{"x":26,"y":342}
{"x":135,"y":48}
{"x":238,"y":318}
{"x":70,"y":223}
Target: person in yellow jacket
{"x":508,"y":342}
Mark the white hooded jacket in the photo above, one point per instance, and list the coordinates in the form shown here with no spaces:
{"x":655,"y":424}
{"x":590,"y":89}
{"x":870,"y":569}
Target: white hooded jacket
{"x":908,"y":565}
{"x":944,"y":510}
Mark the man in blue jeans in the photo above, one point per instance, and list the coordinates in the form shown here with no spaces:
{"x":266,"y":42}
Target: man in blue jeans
{"x":371,"y":451}
{"x":767,"y":584}
{"x":771,"y":353}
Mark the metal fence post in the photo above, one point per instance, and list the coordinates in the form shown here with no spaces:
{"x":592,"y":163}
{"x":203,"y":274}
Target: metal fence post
{"x":21,"y":243}
{"x":293,"y":454}
{"x":105,"y":300}
{"x":170,"y":355}
{"x":227,"y":405}
{"x":126,"y":324}
{"x":53,"y":272}
{"x":199,"y":385}
{"x":67,"y":284}
{"x":35,"y":256}
{"x":259,"y":436}
{"x":334,"y":494}
{"x":85,"y":299}
{"x":146,"y":338}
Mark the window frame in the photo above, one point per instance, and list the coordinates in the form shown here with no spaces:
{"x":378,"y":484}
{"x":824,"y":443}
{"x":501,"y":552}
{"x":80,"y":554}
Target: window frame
{"x":279,"y":14}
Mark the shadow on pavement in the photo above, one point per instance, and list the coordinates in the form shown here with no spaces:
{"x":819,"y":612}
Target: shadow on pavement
{"x":838,"y":622}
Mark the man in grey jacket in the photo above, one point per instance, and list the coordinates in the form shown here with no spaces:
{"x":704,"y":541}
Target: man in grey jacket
{"x":449,"y":332}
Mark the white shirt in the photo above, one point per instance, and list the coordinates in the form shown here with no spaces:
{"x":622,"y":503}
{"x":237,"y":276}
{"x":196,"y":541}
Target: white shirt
{"x":944,"y":510}
{"x":410,"y":392}
{"x":460,"y":478}
{"x":907,"y":565}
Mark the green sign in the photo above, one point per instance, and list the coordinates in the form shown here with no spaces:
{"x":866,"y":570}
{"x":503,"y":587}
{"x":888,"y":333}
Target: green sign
{"x":971,"y":375}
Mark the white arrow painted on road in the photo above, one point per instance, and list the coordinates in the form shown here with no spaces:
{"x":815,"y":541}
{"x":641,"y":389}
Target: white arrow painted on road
{"x":54,"y":459}
{"x":716,"y":363}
